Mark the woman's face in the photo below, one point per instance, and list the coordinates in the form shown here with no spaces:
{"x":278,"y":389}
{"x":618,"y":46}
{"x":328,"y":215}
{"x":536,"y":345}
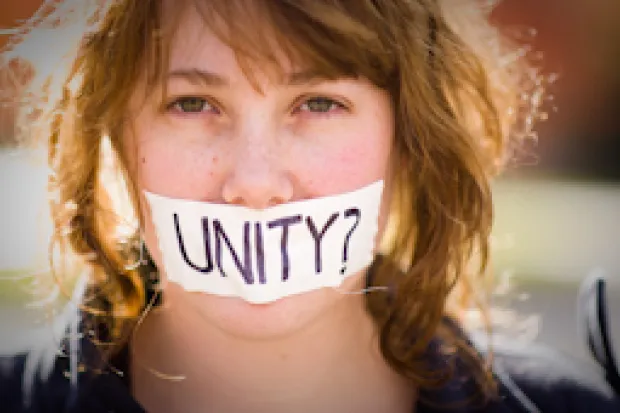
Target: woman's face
{"x":218,"y":139}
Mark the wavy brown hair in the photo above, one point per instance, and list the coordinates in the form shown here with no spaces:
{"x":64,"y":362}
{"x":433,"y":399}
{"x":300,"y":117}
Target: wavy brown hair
{"x":462,"y":104}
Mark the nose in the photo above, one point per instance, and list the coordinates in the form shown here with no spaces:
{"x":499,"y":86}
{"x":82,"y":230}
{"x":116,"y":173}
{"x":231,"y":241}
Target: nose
{"x":257,"y":178}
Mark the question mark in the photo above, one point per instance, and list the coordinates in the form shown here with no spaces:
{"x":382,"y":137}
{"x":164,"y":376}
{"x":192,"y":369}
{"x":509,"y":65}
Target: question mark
{"x":345,"y":252}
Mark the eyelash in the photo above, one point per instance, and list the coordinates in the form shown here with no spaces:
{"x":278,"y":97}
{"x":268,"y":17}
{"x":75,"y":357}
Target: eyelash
{"x":174,"y":106}
{"x":334,"y":105}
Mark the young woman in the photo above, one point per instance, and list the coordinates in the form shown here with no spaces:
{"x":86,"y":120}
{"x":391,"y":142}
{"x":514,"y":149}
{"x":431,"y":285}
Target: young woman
{"x":307,"y":205}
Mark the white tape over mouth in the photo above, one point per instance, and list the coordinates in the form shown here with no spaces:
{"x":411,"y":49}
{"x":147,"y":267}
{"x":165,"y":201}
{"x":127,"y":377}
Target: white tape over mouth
{"x":264,"y":255}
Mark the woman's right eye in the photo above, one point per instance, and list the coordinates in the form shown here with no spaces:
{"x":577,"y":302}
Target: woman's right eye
{"x":191,"y":104}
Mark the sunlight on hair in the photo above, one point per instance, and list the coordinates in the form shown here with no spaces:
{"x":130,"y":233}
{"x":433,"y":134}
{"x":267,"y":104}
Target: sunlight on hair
{"x":116,"y":187}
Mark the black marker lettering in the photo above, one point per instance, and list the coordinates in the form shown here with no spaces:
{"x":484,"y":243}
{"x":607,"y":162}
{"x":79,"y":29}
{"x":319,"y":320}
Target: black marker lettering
{"x":260,"y":253}
{"x":205,"y":231}
{"x":284,"y":223}
{"x":345,"y":253}
{"x":246,"y":267}
{"x":318,"y":236}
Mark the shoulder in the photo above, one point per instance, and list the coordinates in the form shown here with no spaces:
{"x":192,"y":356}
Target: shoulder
{"x":61,"y":391}
{"x":538,"y":379}
{"x":24,"y":389}
{"x":72,"y":379}
{"x":531,"y":378}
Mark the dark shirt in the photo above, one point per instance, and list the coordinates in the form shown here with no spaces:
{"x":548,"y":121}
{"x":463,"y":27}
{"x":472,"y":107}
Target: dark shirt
{"x":530,"y":380}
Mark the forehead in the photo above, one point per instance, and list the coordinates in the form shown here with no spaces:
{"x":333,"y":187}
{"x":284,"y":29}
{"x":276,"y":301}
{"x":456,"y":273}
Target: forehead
{"x":203,"y":40}
{"x":194,"y":43}
{"x":270,"y":39}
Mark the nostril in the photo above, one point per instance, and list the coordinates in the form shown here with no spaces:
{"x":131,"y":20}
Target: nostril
{"x":237,"y":201}
{"x":257,"y":189}
{"x":240,"y":201}
{"x":273,"y":202}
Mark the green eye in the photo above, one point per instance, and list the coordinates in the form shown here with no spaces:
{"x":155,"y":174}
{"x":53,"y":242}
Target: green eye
{"x":320,"y":105}
{"x":190,"y":105}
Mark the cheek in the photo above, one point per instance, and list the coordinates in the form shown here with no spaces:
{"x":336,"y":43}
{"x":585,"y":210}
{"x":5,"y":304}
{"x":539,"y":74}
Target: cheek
{"x":176,"y":171}
{"x":179,"y":171}
{"x":350,"y":161}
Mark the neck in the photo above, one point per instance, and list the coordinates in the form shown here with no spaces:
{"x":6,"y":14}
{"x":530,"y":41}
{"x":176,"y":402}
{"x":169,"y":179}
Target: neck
{"x":333,"y":364}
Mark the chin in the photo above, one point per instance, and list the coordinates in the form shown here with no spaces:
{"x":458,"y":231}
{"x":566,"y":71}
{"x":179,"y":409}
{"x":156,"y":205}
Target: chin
{"x":275,"y":320}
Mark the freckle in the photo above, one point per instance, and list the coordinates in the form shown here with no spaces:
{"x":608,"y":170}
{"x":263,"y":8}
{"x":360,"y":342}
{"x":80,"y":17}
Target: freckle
{"x":215,"y":159}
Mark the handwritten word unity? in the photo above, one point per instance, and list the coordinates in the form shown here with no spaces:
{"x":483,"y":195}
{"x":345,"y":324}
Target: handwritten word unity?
{"x":217,"y":243}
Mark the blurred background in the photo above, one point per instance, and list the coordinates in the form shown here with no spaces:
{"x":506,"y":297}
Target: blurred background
{"x":557,"y":213}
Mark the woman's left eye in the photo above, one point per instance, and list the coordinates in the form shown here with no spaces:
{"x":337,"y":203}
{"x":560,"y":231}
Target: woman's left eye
{"x":320,"y":105}
{"x":190,"y":104}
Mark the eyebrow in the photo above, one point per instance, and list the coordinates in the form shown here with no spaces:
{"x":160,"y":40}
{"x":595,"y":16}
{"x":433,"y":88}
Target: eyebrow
{"x":197,"y":76}
{"x":204,"y":77}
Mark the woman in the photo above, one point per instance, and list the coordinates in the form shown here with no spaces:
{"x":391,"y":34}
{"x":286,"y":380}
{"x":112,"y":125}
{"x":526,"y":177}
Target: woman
{"x":307,"y":192}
